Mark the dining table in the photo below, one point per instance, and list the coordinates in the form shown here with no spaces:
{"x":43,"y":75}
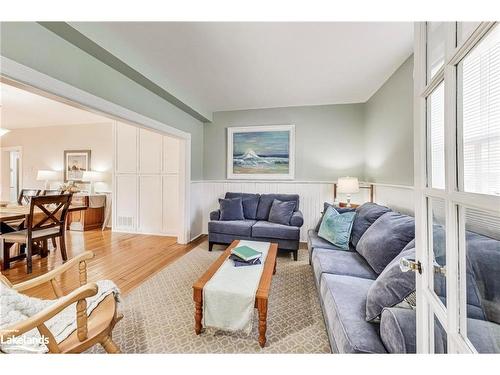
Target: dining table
{"x":11,"y":211}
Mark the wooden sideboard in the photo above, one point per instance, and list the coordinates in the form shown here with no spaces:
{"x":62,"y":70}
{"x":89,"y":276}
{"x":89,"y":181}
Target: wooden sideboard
{"x":82,"y":220}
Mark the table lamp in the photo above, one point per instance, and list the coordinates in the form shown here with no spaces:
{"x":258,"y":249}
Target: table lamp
{"x":348,"y":185}
{"x":92,"y":177}
{"x":47,"y":176}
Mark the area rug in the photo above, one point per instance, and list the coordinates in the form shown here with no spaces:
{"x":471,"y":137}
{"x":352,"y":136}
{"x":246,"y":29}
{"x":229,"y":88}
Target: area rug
{"x":159,"y":314}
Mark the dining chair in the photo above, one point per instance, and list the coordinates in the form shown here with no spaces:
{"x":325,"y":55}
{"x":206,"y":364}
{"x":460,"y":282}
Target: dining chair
{"x":25,"y":196}
{"x":46,"y":220}
{"x":91,"y":329}
{"x":52,"y":192}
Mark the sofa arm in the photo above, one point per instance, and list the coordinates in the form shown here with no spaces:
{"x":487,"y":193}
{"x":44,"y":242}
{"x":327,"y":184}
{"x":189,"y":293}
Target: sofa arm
{"x":215,"y":215}
{"x":398,"y":330}
{"x":297,"y":219}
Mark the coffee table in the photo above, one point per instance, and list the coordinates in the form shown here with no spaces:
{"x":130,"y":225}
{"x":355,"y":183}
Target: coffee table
{"x":261,"y":296}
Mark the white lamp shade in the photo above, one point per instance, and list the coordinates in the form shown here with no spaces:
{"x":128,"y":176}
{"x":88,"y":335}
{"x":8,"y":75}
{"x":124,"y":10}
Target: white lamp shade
{"x":93,"y":176}
{"x":348,"y":185}
{"x":3,"y":131}
{"x":44,"y":175}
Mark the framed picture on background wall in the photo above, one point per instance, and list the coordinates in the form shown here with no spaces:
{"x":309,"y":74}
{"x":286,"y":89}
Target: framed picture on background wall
{"x":75,"y":163}
{"x":261,"y":152}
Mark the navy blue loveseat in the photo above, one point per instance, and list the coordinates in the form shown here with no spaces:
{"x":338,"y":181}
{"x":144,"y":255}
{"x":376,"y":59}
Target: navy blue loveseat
{"x":256,"y":227}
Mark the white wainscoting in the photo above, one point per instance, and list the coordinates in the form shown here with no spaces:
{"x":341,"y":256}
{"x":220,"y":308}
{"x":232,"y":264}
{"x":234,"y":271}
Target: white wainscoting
{"x":146,"y":181}
{"x":205,"y":195}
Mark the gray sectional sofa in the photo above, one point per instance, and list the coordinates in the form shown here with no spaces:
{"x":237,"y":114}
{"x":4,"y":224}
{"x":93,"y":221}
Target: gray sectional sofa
{"x":346,"y":280}
{"x":255,"y":226}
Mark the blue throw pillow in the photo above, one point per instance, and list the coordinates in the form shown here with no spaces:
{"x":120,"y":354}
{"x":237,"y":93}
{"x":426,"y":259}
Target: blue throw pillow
{"x":336,"y":228}
{"x":231,"y":209}
{"x":281,"y":212}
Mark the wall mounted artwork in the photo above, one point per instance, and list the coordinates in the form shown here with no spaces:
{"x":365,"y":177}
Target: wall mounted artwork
{"x":261,"y":152}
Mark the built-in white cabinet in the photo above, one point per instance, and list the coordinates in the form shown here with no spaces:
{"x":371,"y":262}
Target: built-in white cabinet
{"x":125,"y":149}
{"x":150,"y":204}
{"x":147,"y":166}
{"x":171,"y":204}
{"x":125,"y":203}
{"x":171,"y":155}
{"x":150,"y":151}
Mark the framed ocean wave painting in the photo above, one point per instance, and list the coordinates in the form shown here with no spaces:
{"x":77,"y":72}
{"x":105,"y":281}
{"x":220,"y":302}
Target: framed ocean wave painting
{"x":261,"y":152}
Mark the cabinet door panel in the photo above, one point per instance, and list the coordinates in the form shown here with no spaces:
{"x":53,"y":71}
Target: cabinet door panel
{"x":171,"y":149}
{"x":150,"y":151}
{"x":126,"y":149}
{"x":150,"y":204}
{"x":171,"y":205}
{"x":125,"y":202}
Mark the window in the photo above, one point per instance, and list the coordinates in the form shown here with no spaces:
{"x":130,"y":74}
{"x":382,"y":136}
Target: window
{"x":479,"y":116}
{"x":435,"y":113}
{"x":437,"y":236}
{"x":465,"y":29}
{"x":435,"y":47}
{"x":480,"y":235}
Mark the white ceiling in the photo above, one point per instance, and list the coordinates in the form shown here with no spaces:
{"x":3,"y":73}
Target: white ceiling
{"x":23,"y":109}
{"x":226,"y":66}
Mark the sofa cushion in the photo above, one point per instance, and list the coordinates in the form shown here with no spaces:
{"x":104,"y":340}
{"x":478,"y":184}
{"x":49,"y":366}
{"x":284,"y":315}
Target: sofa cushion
{"x":336,"y":227}
{"x":398,"y":330}
{"x":249,"y":201}
{"x":366,"y":214}
{"x":231,"y":209}
{"x":340,"y":210}
{"x":335,"y":262}
{"x":385,"y":239}
{"x":297,"y":219}
{"x":272,"y":230}
{"x":344,"y":299}
{"x":314,"y":241}
{"x":391,"y":287}
{"x":281,"y":212}
{"x":398,"y":333}
{"x":483,"y":254}
{"x":236,"y":227}
{"x":266,"y":201}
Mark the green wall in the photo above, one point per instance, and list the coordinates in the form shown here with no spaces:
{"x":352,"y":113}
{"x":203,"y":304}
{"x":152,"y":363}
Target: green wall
{"x":38,"y":48}
{"x":389,"y":129}
{"x":372,"y":140}
{"x":328,"y":139}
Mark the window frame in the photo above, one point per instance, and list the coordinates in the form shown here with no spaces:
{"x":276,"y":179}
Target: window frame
{"x":451,"y":317}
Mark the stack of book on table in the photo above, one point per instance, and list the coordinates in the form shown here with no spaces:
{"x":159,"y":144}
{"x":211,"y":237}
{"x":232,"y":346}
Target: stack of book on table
{"x":245,"y":256}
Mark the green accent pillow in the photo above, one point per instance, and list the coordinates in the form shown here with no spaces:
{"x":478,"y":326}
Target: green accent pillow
{"x":336,"y":228}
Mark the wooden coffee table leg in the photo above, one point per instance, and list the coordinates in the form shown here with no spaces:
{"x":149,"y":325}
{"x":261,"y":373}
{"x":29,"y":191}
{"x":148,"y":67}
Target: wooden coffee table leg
{"x":262,"y":309}
{"x":198,"y":310}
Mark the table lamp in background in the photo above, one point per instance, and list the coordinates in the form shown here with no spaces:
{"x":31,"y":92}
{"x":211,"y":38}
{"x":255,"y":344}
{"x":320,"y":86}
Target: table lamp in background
{"x":92,"y":177}
{"x":47,"y":176}
{"x":348,"y":185}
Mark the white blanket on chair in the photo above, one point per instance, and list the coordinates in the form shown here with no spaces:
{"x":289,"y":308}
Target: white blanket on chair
{"x":16,"y":307}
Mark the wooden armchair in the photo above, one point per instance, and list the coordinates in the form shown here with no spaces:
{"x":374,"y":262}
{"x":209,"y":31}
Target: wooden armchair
{"x":91,"y":330}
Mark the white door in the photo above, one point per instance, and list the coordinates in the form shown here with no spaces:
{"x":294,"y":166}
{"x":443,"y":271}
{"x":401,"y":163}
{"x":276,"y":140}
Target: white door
{"x":457,"y":181}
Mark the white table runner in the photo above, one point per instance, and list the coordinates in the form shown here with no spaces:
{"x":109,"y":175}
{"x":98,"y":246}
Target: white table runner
{"x":229,"y":296}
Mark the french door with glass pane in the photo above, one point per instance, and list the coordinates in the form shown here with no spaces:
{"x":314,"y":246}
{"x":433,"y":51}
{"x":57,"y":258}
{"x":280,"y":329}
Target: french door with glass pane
{"x":457,"y":184}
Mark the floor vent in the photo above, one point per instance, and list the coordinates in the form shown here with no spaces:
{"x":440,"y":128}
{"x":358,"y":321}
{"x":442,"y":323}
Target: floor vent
{"x":125,"y":221}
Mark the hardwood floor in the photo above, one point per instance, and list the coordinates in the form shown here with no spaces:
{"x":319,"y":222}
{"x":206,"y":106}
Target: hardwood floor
{"x":127,"y":259}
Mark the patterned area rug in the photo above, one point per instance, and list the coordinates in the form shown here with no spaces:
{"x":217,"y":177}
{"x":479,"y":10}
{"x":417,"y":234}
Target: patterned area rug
{"x":159,"y":314}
